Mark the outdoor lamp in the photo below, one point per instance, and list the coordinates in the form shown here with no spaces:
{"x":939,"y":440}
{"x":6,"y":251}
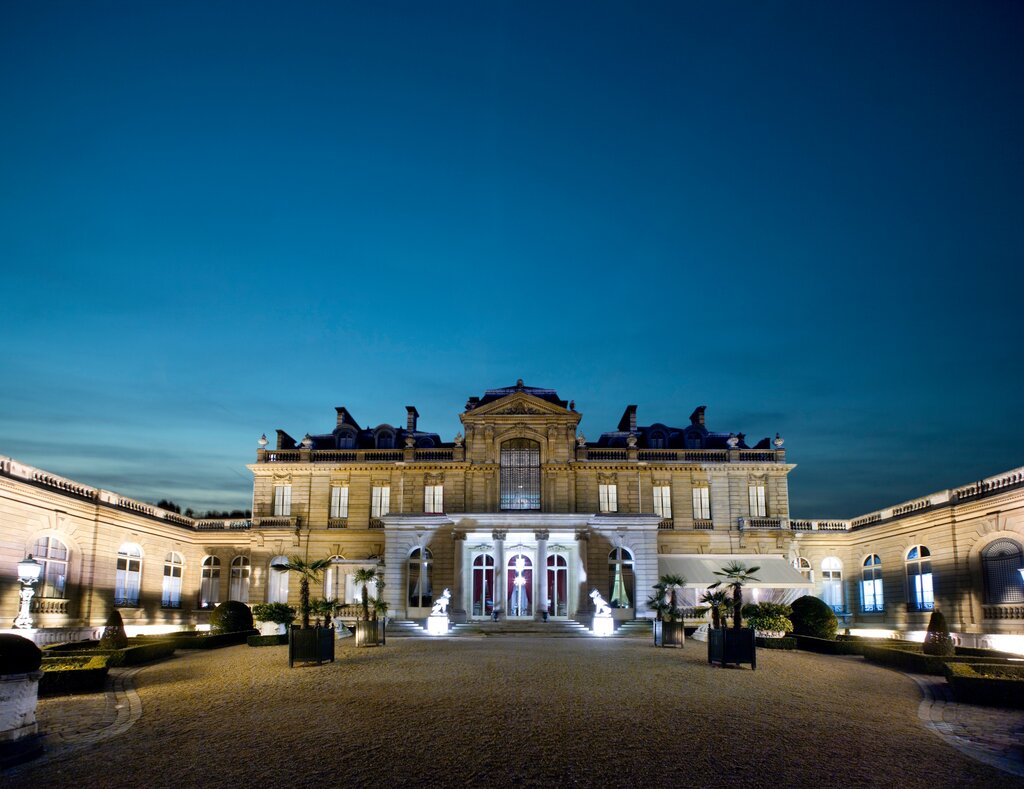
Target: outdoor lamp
{"x":28,"y":573}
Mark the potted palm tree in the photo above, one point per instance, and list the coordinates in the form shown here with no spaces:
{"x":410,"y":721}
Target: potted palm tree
{"x":736,"y":644}
{"x":668,"y":614}
{"x":308,"y":643}
{"x":717,"y":602}
{"x":366,"y":628}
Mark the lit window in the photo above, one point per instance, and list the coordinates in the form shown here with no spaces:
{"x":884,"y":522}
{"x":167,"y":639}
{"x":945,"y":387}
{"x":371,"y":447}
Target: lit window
{"x":1001,"y":561}
{"x":757,"y":501}
{"x":381,"y":503}
{"x":282,"y":500}
{"x":238,"y":588}
{"x":420,"y":594}
{"x":620,"y":573}
{"x":871,"y":585}
{"x":520,"y":475}
{"x":52,"y":554}
{"x":277,"y":581}
{"x":701,"y":504}
{"x":608,"y":498}
{"x":483,"y":585}
{"x":209,"y":587}
{"x":919,"y":579}
{"x":832,"y":582}
{"x":339,"y":501}
{"x":336,"y":581}
{"x":663,"y":501}
{"x":129,"y":575}
{"x":433,"y":499}
{"x":170,"y":595}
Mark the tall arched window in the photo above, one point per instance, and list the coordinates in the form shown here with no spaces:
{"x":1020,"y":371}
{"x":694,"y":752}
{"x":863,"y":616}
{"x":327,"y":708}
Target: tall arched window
{"x":921,"y":596}
{"x":520,"y":475}
{"x":170,"y":594}
{"x":558,"y":585}
{"x":277,"y":581}
{"x":520,"y":585}
{"x":871,"y":598}
{"x":620,"y":573}
{"x":336,"y":580}
{"x":420,"y":594}
{"x":129,"y":575}
{"x":209,"y":586}
{"x":238,"y":589}
{"x":52,"y":554}
{"x":832,"y":582}
{"x":1000,"y":561}
{"x":483,"y":585}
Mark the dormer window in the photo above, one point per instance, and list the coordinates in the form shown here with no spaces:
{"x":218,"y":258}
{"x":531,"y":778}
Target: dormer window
{"x":657,"y":440}
{"x":346,"y":440}
{"x":693,"y":440}
{"x":385,"y":440}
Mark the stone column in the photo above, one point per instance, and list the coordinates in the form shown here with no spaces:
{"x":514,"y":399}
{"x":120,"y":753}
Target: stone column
{"x":541,"y":604}
{"x":583,"y":578}
{"x":458,"y":613}
{"x":500,"y":591}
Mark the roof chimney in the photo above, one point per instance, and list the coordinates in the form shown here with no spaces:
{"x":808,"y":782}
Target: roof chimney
{"x":628,"y":421}
{"x":285,"y":441}
{"x":345,"y":418}
{"x":411,"y":415}
{"x":697,"y":417}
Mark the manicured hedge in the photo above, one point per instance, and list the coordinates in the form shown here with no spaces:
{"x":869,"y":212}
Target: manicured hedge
{"x":986,"y":653}
{"x":776,"y":643}
{"x":62,"y":675}
{"x":974,"y":683}
{"x":918,"y":662}
{"x":267,"y":641}
{"x":826,"y":646}
{"x":215,"y":640}
{"x":130,"y":656}
{"x":71,"y":646}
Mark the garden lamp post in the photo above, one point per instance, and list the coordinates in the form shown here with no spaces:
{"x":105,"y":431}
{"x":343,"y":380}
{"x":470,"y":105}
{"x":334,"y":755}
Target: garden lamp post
{"x":28,"y":574}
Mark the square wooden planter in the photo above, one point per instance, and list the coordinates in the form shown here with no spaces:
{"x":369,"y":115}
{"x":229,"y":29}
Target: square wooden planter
{"x":310,"y":645}
{"x":729,"y":645}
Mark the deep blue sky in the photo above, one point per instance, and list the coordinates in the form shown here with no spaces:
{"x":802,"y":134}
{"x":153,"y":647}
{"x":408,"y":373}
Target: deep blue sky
{"x":217,"y":219}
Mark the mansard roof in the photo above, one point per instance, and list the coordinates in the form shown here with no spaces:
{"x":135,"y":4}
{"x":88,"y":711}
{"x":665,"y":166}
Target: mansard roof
{"x":550,"y":395}
{"x":692,"y":436}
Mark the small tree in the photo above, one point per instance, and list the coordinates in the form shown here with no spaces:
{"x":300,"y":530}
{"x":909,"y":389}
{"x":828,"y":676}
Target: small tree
{"x":308,"y":571}
{"x":324,"y":607}
{"x":938,"y":641}
{"x":671,"y":584}
{"x":736,"y":575}
{"x":813,"y":617}
{"x":114,"y":636}
{"x":718,"y":601}
{"x":365,"y":576}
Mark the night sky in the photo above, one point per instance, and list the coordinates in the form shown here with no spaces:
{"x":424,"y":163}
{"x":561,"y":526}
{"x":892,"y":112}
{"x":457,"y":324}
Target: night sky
{"x":217,"y":219}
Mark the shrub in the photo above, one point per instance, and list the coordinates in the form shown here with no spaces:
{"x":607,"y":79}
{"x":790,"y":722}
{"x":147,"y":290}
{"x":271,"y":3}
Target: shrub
{"x":775,"y":643}
{"x":812,"y":617}
{"x":768,"y":617}
{"x":266,"y":641}
{"x":214,"y":640}
{"x":998,"y":685}
{"x":938,"y":641}
{"x":114,"y":636}
{"x":73,"y":675}
{"x":231,"y":617}
{"x":18,"y":655}
{"x":278,"y":613}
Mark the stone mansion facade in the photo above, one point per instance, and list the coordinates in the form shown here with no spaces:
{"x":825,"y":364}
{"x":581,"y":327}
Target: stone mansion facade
{"x":520,"y":516}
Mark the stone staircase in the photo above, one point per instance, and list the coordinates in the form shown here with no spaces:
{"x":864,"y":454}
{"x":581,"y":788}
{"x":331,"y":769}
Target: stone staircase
{"x":635,"y":628}
{"x":511,"y":628}
{"x":405,"y":628}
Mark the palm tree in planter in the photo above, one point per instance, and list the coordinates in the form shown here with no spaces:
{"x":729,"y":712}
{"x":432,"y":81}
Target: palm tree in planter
{"x":366,"y":629}
{"x":307,"y":643}
{"x":735,"y":645}
{"x":718,"y":602}
{"x":673,"y":633}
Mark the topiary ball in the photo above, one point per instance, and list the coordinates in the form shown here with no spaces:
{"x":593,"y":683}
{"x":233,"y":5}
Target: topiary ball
{"x":231,"y":617}
{"x":812,"y":617}
{"x":18,"y":655}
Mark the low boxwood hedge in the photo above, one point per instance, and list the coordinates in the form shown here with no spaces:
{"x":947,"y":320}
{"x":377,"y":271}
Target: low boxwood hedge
{"x":788,"y":642}
{"x":65,"y":674}
{"x":907,"y":659}
{"x":828,"y":646}
{"x":995,"y":684}
{"x":214,"y":640}
{"x":267,"y":641}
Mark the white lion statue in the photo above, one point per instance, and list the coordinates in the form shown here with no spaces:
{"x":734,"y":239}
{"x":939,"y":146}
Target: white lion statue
{"x":441,"y":605}
{"x":600,"y":604}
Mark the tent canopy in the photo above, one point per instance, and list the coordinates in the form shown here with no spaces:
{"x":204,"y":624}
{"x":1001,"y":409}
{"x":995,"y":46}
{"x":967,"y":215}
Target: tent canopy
{"x":699,"y":570}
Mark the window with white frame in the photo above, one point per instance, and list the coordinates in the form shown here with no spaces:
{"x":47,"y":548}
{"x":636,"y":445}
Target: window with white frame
{"x":832,"y":583}
{"x":277,"y":581}
{"x":238,"y":587}
{"x":209,"y":585}
{"x":433,"y":499}
{"x":608,"y":498}
{"x":620,"y":573}
{"x":335,"y":580}
{"x":170,"y":594}
{"x":282,"y":500}
{"x":380,"y":503}
{"x":128,"y":580}
{"x":871,"y":598}
{"x":339,"y":501}
{"x":758,"y":508}
{"x":663,"y":501}
{"x":701,"y":503}
{"x":919,"y":579}
{"x":52,"y":554}
{"x":420,"y":593}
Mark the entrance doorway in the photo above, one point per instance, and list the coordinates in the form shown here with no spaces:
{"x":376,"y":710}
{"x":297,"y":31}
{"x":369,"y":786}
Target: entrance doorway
{"x":558,"y":586}
{"x":483,"y":585}
{"x":519,"y":577}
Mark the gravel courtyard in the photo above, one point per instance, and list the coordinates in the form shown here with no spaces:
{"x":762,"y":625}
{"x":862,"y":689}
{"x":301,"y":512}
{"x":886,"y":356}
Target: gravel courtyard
{"x":507,"y":711}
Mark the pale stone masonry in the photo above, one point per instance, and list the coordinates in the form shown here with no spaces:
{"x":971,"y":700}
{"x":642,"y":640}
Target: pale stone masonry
{"x":519,"y":516}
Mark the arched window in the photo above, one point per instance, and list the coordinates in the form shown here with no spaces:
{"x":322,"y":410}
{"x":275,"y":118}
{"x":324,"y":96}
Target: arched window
{"x":520,"y":475}
{"x":804,"y":568}
{"x":520,"y":585}
{"x":693,"y":440}
{"x":871,"y":598}
{"x":656,"y":439}
{"x":385,"y":439}
{"x":832,"y":582}
{"x":209,"y":586}
{"x":238,"y":588}
{"x":620,"y":574}
{"x":1000,"y":562}
{"x":346,"y":439}
{"x":558,"y":585}
{"x":277,"y":581}
{"x":420,"y":594}
{"x":425,"y":443}
{"x":170,"y":594}
{"x":921,"y":596}
{"x":336,"y":580}
{"x":129,"y":575}
{"x":483,"y":585}
{"x":52,"y":554}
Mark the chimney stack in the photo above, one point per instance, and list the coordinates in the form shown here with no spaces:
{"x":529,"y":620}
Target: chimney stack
{"x":411,"y":415}
{"x":628,"y":421}
{"x":697,"y":417}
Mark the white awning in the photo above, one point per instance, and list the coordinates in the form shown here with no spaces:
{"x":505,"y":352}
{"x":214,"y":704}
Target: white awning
{"x":773,"y":572}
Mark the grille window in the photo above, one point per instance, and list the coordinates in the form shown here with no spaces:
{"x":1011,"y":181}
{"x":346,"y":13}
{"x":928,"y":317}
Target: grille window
{"x":1001,"y":561}
{"x":520,"y":475}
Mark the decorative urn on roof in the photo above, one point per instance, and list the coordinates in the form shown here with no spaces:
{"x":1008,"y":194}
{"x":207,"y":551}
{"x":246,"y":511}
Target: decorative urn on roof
{"x":733,"y":441}
{"x":779,"y":441}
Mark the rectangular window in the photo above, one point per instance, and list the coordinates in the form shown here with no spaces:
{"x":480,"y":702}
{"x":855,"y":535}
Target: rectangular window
{"x":757,"y":502}
{"x":608,"y":498}
{"x":433,"y":499}
{"x":170,"y":596}
{"x":701,"y":504}
{"x":871,"y":590}
{"x":282,"y":500}
{"x":663,"y":501}
{"x":339,"y":501}
{"x":381,"y":503}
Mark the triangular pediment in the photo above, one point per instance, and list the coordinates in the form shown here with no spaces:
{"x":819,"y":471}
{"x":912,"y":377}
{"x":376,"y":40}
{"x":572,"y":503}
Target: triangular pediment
{"x":518,"y":404}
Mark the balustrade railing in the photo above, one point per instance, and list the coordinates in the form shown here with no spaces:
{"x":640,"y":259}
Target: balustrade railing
{"x":666,"y":524}
{"x":227,"y":524}
{"x":1002,"y":611}
{"x":49,"y":605}
{"x":762,"y":523}
{"x":376,"y":523}
{"x":277,"y":522}
{"x":814,"y":525}
{"x":337,"y":523}
{"x":703,"y":524}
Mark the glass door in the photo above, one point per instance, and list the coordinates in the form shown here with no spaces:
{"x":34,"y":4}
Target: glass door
{"x":519,"y":577}
{"x":483,"y":586}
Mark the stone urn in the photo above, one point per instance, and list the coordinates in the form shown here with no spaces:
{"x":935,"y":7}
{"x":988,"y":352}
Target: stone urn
{"x":19,"y":691}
